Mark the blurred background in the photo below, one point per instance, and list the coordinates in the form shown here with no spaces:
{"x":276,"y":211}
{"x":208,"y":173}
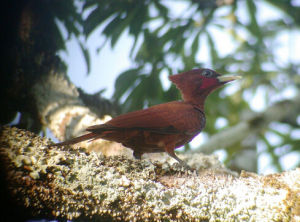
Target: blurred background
{"x":124,"y":51}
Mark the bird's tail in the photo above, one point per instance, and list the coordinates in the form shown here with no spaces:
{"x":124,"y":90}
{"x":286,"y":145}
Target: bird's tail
{"x":89,"y":136}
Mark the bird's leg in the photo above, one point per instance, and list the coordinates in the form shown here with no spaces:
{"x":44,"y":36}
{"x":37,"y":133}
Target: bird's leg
{"x":181,"y":162}
{"x":138,"y":156}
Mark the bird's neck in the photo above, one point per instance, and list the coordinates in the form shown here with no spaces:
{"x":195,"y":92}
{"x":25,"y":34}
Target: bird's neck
{"x":199,"y":106}
{"x":197,"y":101}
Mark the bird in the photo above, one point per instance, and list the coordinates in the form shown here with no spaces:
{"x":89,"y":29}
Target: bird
{"x":163,"y":127}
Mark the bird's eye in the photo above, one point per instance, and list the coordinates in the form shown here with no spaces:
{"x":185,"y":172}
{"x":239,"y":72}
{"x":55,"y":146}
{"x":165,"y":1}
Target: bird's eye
{"x":207,"y":73}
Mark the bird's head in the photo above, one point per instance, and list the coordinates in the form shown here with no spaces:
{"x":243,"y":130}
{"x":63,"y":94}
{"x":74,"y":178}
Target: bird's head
{"x":196,"y":84}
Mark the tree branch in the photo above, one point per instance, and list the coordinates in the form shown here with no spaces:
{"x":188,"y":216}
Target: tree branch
{"x":62,"y":110}
{"x":254,"y":123}
{"x":73,"y":184}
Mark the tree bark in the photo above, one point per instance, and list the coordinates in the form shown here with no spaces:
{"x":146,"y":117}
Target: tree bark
{"x":62,"y":110}
{"x":75,"y":185}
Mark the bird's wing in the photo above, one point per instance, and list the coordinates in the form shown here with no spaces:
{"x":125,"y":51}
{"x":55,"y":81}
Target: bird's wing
{"x":167,"y":118}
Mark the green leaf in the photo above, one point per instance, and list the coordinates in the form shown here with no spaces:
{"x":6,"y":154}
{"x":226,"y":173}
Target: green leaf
{"x":89,"y":4}
{"x":151,"y":49}
{"x":195,"y":45}
{"x":86,"y":55}
{"x":95,"y":19}
{"x":253,"y":27}
{"x":136,"y":99}
{"x":213,"y":52}
{"x":66,"y":12}
{"x":59,"y":39}
{"x":163,"y":10}
{"x":115,"y":28}
{"x":139,"y":18}
{"x":153,"y":88}
{"x":124,"y":81}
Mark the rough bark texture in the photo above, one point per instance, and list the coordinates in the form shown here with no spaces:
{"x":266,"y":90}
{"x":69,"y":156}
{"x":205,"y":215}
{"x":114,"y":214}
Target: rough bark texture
{"x":76,"y":185}
{"x":61,"y":109}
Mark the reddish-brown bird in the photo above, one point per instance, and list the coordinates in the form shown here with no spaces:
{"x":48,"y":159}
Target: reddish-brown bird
{"x":163,"y":127}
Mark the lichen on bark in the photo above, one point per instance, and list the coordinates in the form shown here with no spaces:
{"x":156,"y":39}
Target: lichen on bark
{"x":71,"y":183}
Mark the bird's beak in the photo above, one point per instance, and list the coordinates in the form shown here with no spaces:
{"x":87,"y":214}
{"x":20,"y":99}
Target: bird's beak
{"x":227,"y":78}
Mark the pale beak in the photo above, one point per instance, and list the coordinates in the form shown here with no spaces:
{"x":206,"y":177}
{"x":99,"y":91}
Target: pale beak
{"x":227,"y":78}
